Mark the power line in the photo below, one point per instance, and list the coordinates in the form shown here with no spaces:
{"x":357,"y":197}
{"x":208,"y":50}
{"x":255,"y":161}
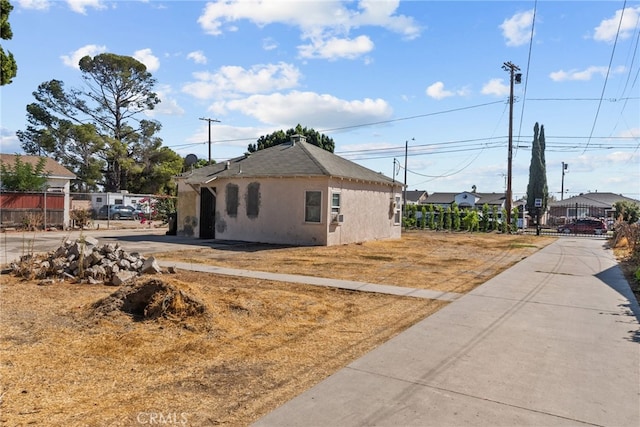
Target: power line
{"x":606,"y":79}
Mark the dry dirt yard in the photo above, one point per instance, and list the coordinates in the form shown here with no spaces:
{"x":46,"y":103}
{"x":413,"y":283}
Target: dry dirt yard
{"x":199,"y":349}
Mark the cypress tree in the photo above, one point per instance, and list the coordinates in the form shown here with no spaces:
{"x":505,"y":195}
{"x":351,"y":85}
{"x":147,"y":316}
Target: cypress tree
{"x":537,"y":187}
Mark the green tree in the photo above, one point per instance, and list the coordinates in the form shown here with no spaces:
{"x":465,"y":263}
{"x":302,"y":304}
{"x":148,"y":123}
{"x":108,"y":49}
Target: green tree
{"x":440,"y":217}
{"x":118,"y":90}
{"x":423,"y":218}
{"x":494,"y":218}
{"x":279,"y":137}
{"x":471,"y":221}
{"x":503,"y":224}
{"x":23,"y":176}
{"x":432,"y":217}
{"x":627,"y":211}
{"x":515,"y":213}
{"x":447,"y":218}
{"x":537,"y":187}
{"x":484,"y":220}
{"x":456,"y":217}
{"x":9,"y":67}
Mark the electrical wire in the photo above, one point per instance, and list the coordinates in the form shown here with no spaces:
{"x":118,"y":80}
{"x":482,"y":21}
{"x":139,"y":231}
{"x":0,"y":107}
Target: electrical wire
{"x":606,"y":79}
{"x":526,"y":79}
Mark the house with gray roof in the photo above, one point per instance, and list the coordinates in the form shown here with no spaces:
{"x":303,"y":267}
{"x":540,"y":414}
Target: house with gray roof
{"x":467,"y":199}
{"x":294,"y":193}
{"x":585,"y":205}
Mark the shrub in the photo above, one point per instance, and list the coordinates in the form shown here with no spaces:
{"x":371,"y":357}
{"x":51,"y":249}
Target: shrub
{"x":81,"y":217}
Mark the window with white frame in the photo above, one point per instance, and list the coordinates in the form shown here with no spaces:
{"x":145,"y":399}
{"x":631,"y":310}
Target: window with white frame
{"x":335,"y":203}
{"x":313,"y":206}
{"x":396,"y":216}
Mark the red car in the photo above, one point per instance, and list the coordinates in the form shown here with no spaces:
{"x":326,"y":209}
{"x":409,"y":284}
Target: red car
{"x":584,"y":226}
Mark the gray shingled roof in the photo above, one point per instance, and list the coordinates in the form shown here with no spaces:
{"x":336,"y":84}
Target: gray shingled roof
{"x":448,"y":198}
{"x":287,"y":160}
{"x":53,"y":168}
{"x":594,"y":199}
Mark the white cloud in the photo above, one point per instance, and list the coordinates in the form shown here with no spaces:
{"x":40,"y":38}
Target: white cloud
{"x":334,"y":48}
{"x":315,"y":110}
{"x":73,"y":59}
{"x":81,"y":6}
{"x":327,"y":24}
{"x":233,"y":80}
{"x":35,"y":4}
{"x":495,"y":87}
{"x":9,"y":142}
{"x":608,"y":28}
{"x":517,"y":29}
{"x":148,"y":59}
{"x":437,"y":91}
{"x":197,"y":56}
{"x":169,"y":105}
{"x":583,"y":75}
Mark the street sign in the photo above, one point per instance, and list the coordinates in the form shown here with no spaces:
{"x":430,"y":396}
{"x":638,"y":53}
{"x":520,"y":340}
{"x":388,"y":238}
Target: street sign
{"x":538,"y":203}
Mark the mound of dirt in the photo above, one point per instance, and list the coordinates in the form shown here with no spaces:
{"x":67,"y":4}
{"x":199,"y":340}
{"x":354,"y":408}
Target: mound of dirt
{"x":152,"y":299}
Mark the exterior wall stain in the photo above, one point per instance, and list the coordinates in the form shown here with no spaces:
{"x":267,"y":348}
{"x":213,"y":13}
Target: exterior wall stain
{"x":189,"y":225}
{"x":252,"y":199}
{"x":221,"y":224}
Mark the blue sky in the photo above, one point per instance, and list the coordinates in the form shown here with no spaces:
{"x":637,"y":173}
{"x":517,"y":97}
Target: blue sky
{"x":372,"y":75}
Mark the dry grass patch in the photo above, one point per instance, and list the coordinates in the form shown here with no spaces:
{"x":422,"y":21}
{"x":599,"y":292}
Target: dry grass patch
{"x":71,"y":355}
{"x":447,"y":262}
{"x":210,"y":349}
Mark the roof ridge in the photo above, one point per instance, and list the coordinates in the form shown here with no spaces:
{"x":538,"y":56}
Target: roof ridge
{"x":313,"y":158}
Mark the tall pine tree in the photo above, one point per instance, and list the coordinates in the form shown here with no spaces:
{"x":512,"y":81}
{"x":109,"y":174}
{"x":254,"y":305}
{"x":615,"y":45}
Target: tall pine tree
{"x":537,"y":188}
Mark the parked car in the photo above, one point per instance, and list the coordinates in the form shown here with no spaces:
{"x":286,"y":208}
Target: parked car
{"x":584,"y":226}
{"x":117,"y":212}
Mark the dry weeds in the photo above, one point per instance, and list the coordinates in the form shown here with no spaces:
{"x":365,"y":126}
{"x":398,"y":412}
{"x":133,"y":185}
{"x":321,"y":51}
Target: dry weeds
{"x":448,"y":262}
{"x":253,"y":345}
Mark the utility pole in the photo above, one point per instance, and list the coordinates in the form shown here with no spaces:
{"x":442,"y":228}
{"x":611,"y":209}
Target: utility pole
{"x":210,"y":121}
{"x":508,"y":66}
{"x":564,"y":168}
{"x":404,"y":194}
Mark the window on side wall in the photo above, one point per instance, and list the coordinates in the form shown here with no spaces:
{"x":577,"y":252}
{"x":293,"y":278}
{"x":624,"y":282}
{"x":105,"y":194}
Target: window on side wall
{"x":335,"y":203}
{"x":98,"y":199}
{"x":232,"y":200}
{"x":396,"y":216}
{"x":312,"y":206}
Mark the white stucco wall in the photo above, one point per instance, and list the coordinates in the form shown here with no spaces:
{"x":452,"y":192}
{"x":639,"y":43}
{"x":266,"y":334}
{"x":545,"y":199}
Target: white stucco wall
{"x":281,"y":212}
{"x":365,"y":209}
{"x":367,"y":213}
{"x":188,"y":207}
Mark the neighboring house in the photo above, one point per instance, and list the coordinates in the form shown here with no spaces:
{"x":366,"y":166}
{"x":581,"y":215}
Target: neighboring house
{"x":58,"y":182}
{"x":416,"y":197}
{"x":294,"y":193}
{"x":467,"y":199}
{"x":472,"y":200}
{"x":594,"y":205}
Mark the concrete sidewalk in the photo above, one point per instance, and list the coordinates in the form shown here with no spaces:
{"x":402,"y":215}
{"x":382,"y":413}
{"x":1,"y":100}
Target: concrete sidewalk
{"x":316,"y":281}
{"x":554,"y":340}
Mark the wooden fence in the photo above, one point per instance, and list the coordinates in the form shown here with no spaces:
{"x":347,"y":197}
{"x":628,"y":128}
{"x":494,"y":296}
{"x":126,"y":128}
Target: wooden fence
{"x":31,"y":210}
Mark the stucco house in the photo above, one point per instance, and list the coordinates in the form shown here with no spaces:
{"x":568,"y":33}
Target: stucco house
{"x":416,"y":197}
{"x":467,"y":199}
{"x":596,"y":205}
{"x":294,"y":193}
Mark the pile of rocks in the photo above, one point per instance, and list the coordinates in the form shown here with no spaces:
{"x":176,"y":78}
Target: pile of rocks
{"x":85,"y":261}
